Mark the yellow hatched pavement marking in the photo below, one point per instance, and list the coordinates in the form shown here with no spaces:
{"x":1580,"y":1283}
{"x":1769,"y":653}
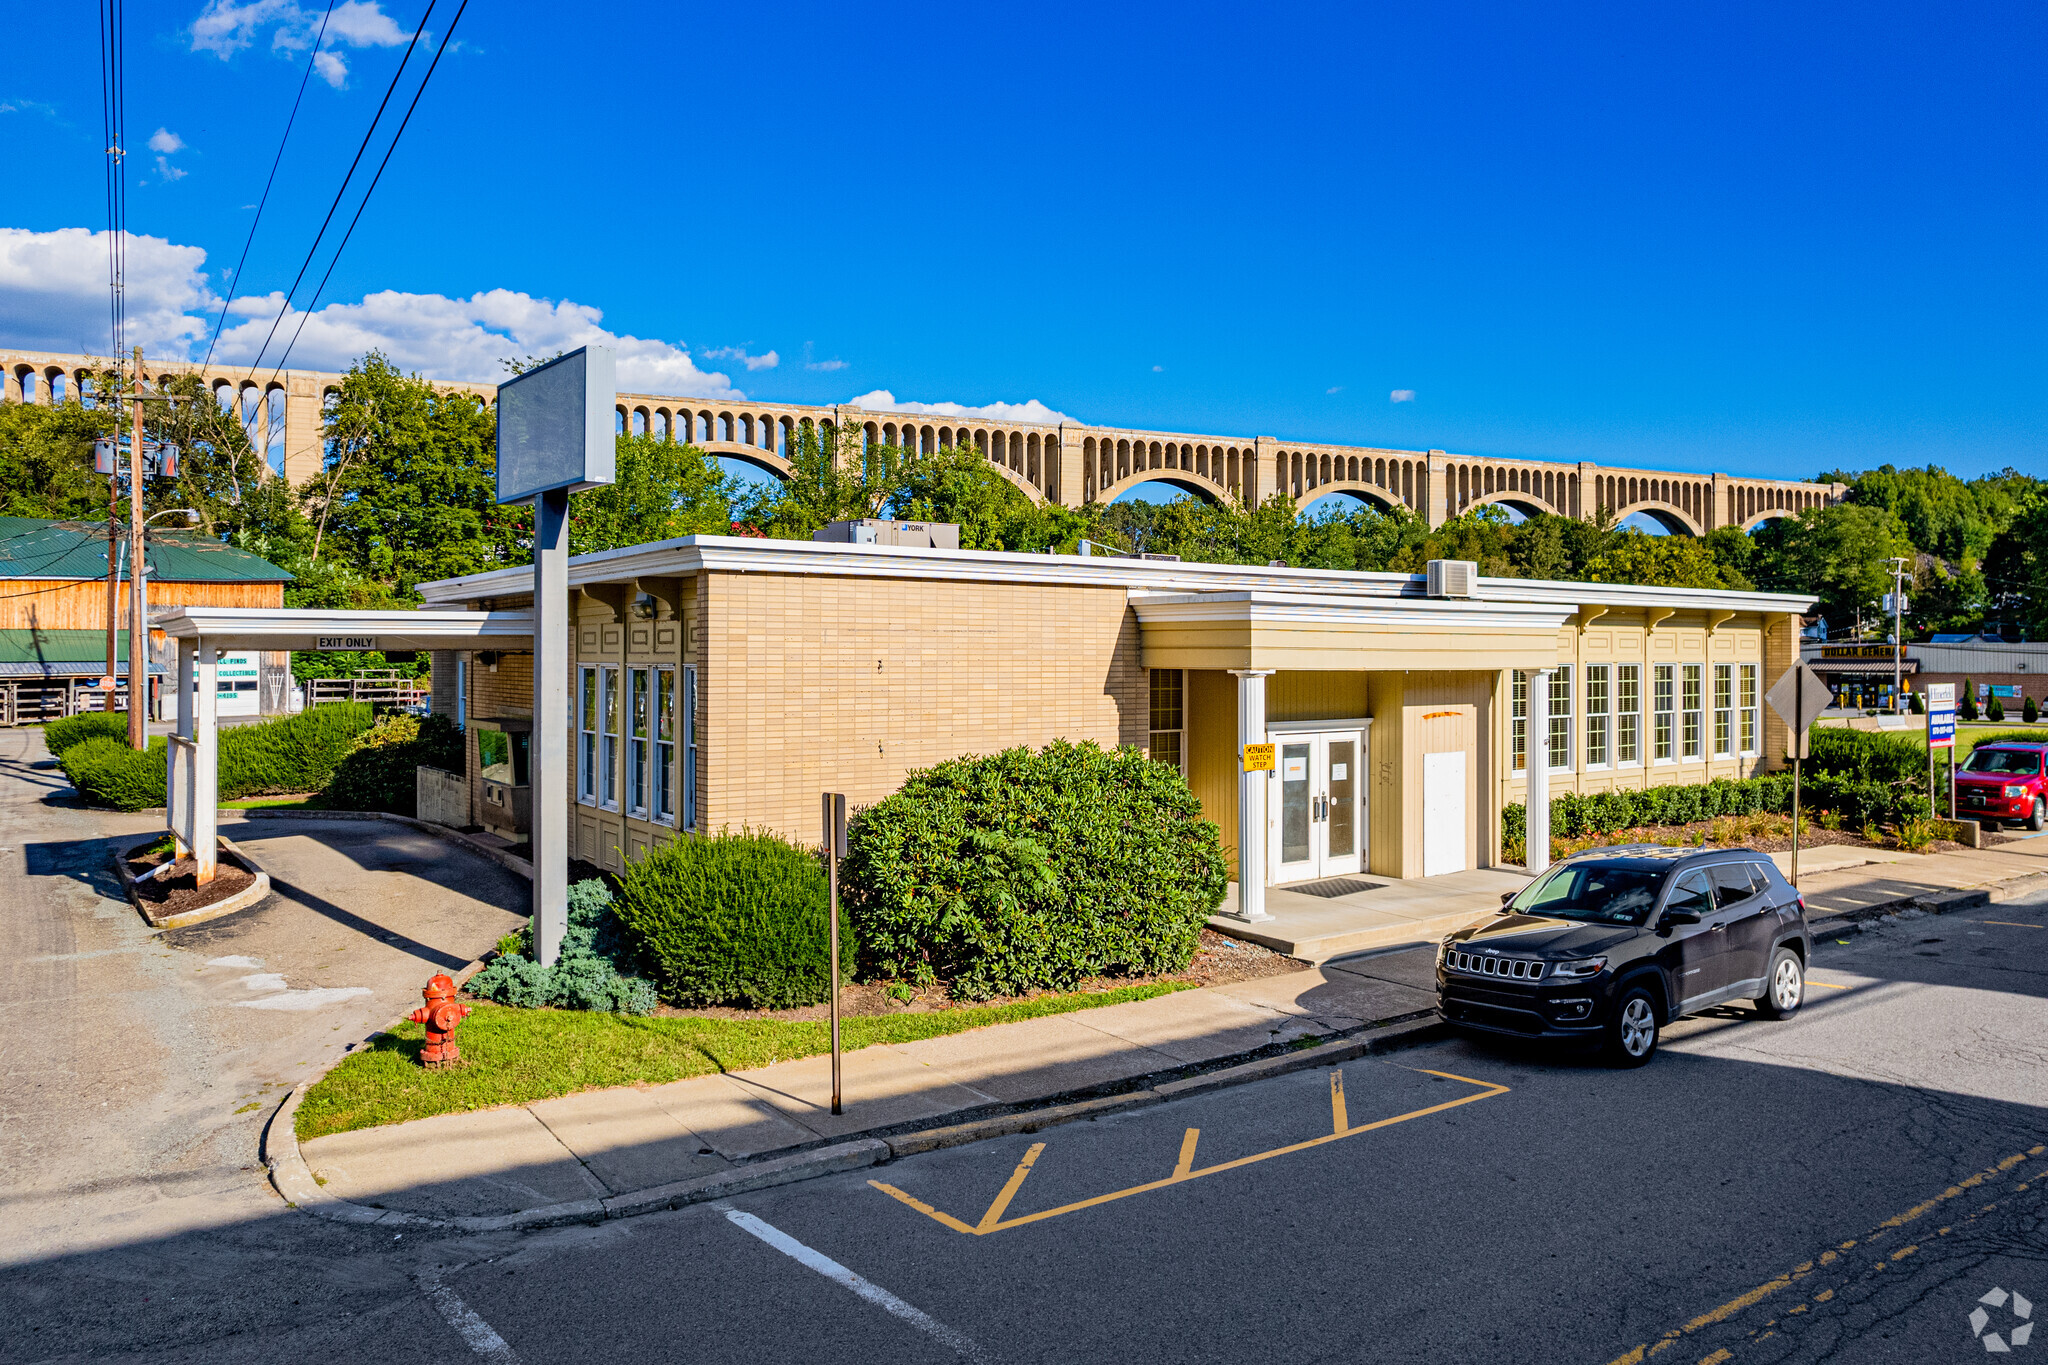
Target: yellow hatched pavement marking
{"x":1184,"y":1169}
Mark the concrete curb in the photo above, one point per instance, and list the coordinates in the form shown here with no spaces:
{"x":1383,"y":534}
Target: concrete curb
{"x":241,"y":900}
{"x":1934,"y":903}
{"x":294,"y":1178}
{"x":453,"y":836}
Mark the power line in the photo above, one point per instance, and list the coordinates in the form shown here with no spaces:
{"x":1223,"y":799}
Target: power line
{"x":114,"y":117}
{"x":314,"y":298}
{"x":368,"y":133}
{"x":233,"y":285}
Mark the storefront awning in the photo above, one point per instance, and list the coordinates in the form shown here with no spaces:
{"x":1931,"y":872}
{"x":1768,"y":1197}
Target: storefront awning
{"x":1221,"y":630}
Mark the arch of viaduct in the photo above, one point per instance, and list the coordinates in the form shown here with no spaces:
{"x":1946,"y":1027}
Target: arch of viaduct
{"x":1066,"y":463}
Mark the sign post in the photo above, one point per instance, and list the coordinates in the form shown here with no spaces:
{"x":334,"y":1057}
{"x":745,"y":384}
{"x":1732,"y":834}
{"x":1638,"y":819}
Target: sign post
{"x":1941,"y":734}
{"x":835,"y":849}
{"x":1800,"y":696}
{"x":556,"y":436}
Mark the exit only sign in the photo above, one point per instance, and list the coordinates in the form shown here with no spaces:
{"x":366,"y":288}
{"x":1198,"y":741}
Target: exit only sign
{"x":345,"y":642}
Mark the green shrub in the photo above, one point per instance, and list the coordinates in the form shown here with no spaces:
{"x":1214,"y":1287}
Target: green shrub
{"x":377,"y":771}
{"x":595,"y":971}
{"x":1994,"y":710}
{"x":1031,"y":870}
{"x":1857,"y":801}
{"x":1966,"y":700}
{"x":1870,"y":756}
{"x":107,"y":772}
{"x":738,"y":919}
{"x":2002,"y":737}
{"x":60,"y":735}
{"x":288,"y":754}
{"x":1919,"y":703}
{"x":2029,"y":710}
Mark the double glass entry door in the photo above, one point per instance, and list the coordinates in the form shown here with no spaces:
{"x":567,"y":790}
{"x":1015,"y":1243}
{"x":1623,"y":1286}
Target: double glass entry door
{"x":1317,"y":814}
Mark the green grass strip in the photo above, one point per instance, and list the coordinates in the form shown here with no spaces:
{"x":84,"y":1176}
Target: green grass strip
{"x":516,"y":1056}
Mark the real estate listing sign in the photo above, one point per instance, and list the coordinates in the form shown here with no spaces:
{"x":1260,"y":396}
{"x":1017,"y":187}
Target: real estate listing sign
{"x":556,"y":426}
{"x":1941,"y":715}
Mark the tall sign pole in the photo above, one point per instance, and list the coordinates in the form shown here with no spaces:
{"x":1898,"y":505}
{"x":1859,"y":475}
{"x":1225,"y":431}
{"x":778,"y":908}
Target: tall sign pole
{"x":556,"y":426}
{"x":1800,"y":696}
{"x":835,"y":849}
{"x":1941,"y":734}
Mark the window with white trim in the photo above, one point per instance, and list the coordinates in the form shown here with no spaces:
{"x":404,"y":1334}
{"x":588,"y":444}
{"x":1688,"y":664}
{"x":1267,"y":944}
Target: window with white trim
{"x":665,"y":745}
{"x":1520,"y":724}
{"x":1694,"y":713}
{"x":1724,"y":710}
{"x":586,"y":735}
{"x":1749,"y":710}
{"x":1628,"y":713}
{"x":1597,"y":719}
{"x":690,"y":818}
{"x":1169,"y":717}
{"x":639,"y":738}
{"x":1560,"y":748}
{"x":1663,"y":700}
{"x":609,"y":714}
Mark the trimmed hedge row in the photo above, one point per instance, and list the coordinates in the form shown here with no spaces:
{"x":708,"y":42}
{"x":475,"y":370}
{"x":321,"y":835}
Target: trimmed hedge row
{"x":1857,"y":801}
{"x":2007,"y":737}
{"x":60,"y":735}
{"x":377,"y":771}
{"x":1026,"y":870}
{"x":289,"y":754}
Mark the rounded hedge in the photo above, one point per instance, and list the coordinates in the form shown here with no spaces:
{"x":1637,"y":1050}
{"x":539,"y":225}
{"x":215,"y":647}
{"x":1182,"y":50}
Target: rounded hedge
{"x":1028,"y":870}
{"x":288,"y":754}
{"x":60,"y":735}
{"x":735,"y":919}
{"x":377,"y":771}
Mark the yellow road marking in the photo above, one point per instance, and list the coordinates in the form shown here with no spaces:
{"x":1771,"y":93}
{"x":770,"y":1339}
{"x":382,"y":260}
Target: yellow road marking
{"x":1827,"y":984}
{"x":1751,"y":1297}
{"x":1717,"y":1357}
{"x":2011,"y":924}
{"x":993,"y":1220}
{"x":1338,"y":1121}
{"x":1187,"y":1152}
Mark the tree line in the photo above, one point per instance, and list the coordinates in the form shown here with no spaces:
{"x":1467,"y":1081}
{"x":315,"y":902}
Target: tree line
{"x":406,"y":495}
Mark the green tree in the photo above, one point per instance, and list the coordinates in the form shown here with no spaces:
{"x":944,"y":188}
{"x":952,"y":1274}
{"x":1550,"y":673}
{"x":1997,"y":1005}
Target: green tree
{"x":409,"y":493}
{"x":2016,"y":570}
{"x":1663,"y":561}
{"x":46,"y":460}
{"x":1841,"y":554}
{"x":662,"y":491}
{"x":963,"y":487}
{"x":822,"y":488}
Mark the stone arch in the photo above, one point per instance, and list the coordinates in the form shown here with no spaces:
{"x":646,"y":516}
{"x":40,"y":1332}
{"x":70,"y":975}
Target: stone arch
{"x":1669,"y":514}
{"x":1184,"y":480}
{"x":1379,"y":498}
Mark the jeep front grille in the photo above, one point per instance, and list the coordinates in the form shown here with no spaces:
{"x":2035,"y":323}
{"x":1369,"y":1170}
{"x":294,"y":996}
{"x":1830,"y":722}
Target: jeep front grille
{"x":1512,"y":968}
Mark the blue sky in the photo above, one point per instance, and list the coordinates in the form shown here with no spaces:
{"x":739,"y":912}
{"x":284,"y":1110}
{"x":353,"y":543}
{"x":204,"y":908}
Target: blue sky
{"x":1766,"y":239}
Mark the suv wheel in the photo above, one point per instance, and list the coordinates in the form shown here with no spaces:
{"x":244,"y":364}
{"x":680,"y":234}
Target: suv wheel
{"x":1784,"y":986}
{"x":1632,"y":1032}
{"x":2038,"y":821}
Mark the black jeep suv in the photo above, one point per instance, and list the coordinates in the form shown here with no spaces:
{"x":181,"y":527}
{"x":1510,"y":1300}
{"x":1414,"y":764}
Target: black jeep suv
{"x":1612,"y":944}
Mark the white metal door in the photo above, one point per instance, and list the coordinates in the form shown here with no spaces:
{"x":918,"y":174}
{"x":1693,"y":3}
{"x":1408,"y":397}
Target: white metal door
{"x":1317,"y":812}
{"x":1443,"y":813}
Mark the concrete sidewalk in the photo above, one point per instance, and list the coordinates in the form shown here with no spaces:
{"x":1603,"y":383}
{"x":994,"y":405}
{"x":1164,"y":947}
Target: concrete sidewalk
{"x":593,"y":1151}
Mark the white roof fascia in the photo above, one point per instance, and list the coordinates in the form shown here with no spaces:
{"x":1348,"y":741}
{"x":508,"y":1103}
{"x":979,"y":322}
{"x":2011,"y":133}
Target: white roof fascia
{"x":1319,"y":609}
{"x":748,"y":554}
{"x":284,"y":627}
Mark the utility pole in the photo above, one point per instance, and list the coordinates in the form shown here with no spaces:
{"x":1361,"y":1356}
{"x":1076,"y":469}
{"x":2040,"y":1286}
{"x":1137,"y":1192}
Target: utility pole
{"x":113,"y":543}
{"x":1898,"y":633}
{"x":138,"y":629}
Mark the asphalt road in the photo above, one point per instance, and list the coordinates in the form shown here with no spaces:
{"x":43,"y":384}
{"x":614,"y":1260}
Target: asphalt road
{"x":1844,"y":1186}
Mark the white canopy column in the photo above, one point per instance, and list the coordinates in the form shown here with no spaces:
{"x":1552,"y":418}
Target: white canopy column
{"x":1251,"y":795}
{"x":1536,"y":757}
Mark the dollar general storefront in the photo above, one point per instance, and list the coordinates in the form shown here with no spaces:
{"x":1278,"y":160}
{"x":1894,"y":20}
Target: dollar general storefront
{"x":721,"y":682}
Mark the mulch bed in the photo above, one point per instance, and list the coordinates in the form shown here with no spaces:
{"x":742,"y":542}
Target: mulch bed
{"x":1219,"y":961}
{"x":178,"y":891}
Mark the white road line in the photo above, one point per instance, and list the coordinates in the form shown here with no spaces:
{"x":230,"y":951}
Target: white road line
{"x":479,"y":1335}
{"x":873,"y":1293}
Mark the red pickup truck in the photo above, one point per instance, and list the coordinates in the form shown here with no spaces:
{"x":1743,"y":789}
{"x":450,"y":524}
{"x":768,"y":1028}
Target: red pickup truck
{"x":2004,"y":782}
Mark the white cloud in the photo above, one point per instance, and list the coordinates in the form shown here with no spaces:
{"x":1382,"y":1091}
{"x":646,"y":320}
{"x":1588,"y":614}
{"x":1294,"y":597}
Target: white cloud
{"x":225,"y":28}
{"x":766,"y":361}
{"x":881,"y":400}
{"x":1334,"y":388}
{"x":165,"y":141}
{"x":446,"y":338}
{"x":165,"y":169}
{"x":826,"y":365}
{"x":1401,"y":396}
{"x":53,"y":291}
{"x":1156,"y":369}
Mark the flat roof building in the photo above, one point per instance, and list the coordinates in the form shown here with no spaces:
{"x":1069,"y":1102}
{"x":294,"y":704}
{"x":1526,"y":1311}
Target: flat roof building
{"x":720,"y":683}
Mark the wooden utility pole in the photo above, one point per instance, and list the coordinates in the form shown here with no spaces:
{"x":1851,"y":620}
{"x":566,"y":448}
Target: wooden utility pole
{"x":113,"y":549}
{"x":138,"y":629}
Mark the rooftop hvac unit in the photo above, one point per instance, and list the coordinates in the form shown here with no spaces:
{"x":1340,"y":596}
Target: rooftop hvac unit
{"x":935,"y":535}
{"x":1453,"y":578}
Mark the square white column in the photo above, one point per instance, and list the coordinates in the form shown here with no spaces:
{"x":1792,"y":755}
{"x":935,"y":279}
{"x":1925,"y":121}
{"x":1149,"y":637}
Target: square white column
{"x":1536,"y":796}
{"x":1251,"y":796}
{"x":206,"y":763}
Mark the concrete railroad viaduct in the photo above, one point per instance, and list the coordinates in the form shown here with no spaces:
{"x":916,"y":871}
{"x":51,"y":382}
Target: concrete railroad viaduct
{"x":1066,"y":462}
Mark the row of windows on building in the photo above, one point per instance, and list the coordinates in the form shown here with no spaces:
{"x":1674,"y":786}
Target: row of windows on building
{"x":630,"y":733}
{"x":1685,"y":724}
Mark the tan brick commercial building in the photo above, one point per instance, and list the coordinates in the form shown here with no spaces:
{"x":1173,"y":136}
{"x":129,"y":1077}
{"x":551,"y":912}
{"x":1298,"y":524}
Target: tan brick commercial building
{"x":721,"y":682}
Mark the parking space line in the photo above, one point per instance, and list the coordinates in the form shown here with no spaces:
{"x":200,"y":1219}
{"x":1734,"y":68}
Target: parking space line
{"x":477,"y":1334}
{"x":1183,"y":1171}
{"x":2012,"y":924}
{"x":1750,"y":1298}
{"x":1827,"y":985}
{"x":881,"y":1298}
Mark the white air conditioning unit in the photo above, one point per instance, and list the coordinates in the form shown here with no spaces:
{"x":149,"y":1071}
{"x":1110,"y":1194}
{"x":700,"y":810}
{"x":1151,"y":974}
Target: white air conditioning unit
{"x":1453,"y":578}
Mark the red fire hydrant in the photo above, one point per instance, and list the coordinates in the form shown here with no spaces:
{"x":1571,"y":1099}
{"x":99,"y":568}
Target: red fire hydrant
{"x":440,"y":1014}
